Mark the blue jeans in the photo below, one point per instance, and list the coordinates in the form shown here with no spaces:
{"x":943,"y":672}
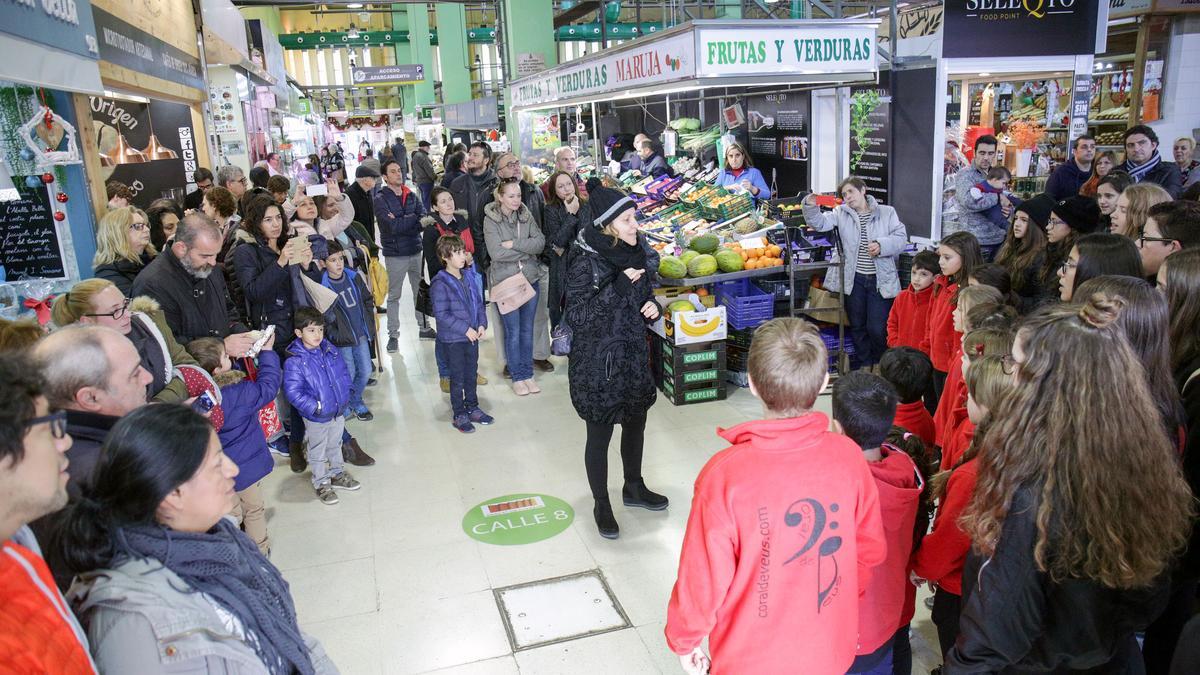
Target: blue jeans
{"x":463,"y":361}
{"x":881,"y":667}
{"x":439,"y":355}
{"x":358,"y":364}
{"x":518,"y":338}
{"x":426,"y":191}
{"x":868,"y":312}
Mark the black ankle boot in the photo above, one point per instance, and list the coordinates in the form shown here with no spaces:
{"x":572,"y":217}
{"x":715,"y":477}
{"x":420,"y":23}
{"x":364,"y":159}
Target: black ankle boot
{"x":352,"y":453}
{"x":606,"y":522}
{"x":296,"y":457}
{"x":635,"y":493}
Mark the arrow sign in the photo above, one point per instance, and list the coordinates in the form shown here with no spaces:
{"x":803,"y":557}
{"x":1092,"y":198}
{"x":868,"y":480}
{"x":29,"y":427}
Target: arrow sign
{"x":370,"y":76}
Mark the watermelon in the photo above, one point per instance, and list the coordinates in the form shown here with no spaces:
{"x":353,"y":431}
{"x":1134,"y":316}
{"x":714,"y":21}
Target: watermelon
{"x":729,"y":261}
{"x":670,"y":267}
{"x":705,"y":243}
{"x":688,"y":255}
{"x":681,"y":306}
{"x":702,"y":266}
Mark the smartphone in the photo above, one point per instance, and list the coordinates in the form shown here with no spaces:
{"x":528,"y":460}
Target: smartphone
{"x":314,"y":190}
{"x":203,"y":403}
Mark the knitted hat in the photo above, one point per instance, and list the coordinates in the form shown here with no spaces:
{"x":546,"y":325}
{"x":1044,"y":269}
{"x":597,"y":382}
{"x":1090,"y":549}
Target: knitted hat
{"x":1080,"y":213}
{"x":606,"y":203}
{"x":364,"y":171}
{"x":1038,"y":209}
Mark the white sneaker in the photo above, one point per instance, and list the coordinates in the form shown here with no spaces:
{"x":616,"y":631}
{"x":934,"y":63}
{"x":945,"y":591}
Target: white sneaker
{"x":532,"y":387}
{"x":520,"y":388}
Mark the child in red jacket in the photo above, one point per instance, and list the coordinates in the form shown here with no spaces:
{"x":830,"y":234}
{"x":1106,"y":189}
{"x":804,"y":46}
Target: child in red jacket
{"x":976,"y":344}
{"x":944,"y":550}
{"x":863,"y":408}
{"x":910,"y":372}
{"x":954,"y":393}
{"x":909,"y":319}
{"x":958,"y":254}
{"x":784,"y":528}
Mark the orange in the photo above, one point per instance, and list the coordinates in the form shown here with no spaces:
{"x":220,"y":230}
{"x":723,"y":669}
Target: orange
{"x":702,"y":291}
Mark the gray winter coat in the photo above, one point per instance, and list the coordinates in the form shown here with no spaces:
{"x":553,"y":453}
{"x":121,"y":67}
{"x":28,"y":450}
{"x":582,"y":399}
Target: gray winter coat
{"x":973,"y":212}
{"x":139,"y":621}
{"x":528,"y":243}
{"x":423,"y":168}
{"x":885,"y":227}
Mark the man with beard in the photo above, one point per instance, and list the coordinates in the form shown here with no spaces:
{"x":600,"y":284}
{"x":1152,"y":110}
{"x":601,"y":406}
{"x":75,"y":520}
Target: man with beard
{"x":473,"y":191}
{"x":38,"y":634}
{"x":1143,"y":162}
{"x":195,"y":301}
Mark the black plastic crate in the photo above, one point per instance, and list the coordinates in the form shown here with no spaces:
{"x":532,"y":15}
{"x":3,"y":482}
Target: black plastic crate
{"x":699,"y":392}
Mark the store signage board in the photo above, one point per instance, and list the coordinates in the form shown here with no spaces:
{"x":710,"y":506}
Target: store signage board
{"x":30,"y":247}
{"x":161,"y":142}
{"x":812,"y":50}
{"x":67,"y":26}
{"x":124,"y":45}
{"x":995,"y":28}
{"x":798,"y":51}
{"x":1177,"y":5}
{"x":530,"y":63}
{"x":1122,"y":8}
{"x":372,"y":76}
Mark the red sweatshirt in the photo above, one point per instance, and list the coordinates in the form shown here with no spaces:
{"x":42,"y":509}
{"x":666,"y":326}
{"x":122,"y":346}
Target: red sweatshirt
{"x":915,"y":417}
{"x":941,"y":337}
{"x":944,"y":550}
{"x":881,"y":606}
{"x":909,"y":318}
{"x":783,"y":533}
{"x":957,"y":441}
{"x":954,"y":396}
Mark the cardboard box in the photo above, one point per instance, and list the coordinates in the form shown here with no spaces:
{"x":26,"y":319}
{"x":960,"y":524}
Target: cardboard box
{"x":687,"y":328}
{"x":822,"y":306}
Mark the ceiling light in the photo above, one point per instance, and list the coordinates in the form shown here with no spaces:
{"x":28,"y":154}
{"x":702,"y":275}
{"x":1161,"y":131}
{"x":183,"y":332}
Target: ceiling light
{"x":354,"y":5}
{"x":985,"y":74}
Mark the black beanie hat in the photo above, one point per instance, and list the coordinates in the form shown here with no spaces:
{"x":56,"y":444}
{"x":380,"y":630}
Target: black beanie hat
{"x":1080,"y":213}
{"x":606,"y":203}
{"x":1038,"y":208}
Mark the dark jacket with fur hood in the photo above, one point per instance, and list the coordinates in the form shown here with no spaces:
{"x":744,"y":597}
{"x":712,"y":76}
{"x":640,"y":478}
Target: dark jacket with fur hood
{"x":430,"y":235}
{"x":161,"y":354}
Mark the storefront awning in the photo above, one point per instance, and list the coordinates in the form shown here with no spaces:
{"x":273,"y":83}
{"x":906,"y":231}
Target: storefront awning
{"x":710,"y":53}
{"x":50,"y":45}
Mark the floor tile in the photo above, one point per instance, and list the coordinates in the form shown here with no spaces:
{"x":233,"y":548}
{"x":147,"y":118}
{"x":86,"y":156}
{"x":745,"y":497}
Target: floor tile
{"x":352,"y":642}
{"x":416,"y":576}
{"x":619,"y":653}
{"x":333,"y":591}
{"x":505,"y":665}
{"x":442,"y":633}
{"x":555,"y":610}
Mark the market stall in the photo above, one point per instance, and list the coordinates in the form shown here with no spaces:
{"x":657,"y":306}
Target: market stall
{"x":730,"y":262}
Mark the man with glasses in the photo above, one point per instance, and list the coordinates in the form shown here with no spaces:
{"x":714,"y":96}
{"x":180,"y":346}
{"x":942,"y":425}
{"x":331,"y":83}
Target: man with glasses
{"x":232,"y":178}
{"x":472,"y":191}
{"x":38,"y":632}
{"x":193,"y":298}
{"x":1071,"y":175}
{"x":1170,"y":227}
{"x":204,"y":180}
{"x":973,"y":210}
{"x":1143,"y":162}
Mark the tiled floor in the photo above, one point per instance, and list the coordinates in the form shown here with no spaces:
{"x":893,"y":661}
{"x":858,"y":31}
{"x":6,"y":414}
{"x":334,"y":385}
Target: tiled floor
{"x":389,"y":582}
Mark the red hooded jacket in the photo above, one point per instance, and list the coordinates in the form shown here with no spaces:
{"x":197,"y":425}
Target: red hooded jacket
{"x":944,"y":550}
{"x":909,"y":319}
{"x":881,"y":607}
{"x":783,"y":533}
{"x":941,"y":337}
{"x":915,"y":418}
{"x":954,"y":396}
{"x":957,"y":441}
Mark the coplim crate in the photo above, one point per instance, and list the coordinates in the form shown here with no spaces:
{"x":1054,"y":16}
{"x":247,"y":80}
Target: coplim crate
{"x":695,"y":392}
{"x":693,"y":357}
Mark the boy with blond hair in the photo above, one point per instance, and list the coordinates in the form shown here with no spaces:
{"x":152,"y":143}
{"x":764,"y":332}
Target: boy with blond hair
{"x":784,"y":528}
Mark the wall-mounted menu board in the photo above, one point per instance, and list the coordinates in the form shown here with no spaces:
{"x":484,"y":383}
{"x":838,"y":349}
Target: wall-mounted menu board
{"x":29,"y":244}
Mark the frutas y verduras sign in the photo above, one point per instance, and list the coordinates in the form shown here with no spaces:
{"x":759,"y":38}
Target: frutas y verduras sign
{"x":813,"y":50}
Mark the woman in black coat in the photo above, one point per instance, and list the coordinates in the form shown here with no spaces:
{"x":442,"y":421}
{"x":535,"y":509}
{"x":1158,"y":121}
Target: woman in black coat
{"x":566,"y":214}
{"x":609,"y":300}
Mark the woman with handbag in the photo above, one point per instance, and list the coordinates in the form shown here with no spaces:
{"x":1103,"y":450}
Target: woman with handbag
{"x":610,"y":299}
{"x":514,"y":241}
{"x":443,"y":220}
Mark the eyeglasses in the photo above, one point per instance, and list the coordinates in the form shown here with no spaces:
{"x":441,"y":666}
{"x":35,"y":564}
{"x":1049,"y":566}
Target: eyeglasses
{"x":1143,"y":239}
{"x":57,"y":422}
{"x":510,"y":165}
{"x":204,"y":187}
{"x":1066,"y":265}
{"x":116,"y":313}
{"x":138,"y":227}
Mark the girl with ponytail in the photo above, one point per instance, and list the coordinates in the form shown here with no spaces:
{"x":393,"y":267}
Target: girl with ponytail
{"x":1078,"y":513}
{"x":165,"y":582}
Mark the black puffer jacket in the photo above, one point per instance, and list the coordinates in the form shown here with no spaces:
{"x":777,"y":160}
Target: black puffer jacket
{"x":269,"y":288}
{"x":609,"y":369}
{"x":122,"y":272}
{"x":1015,"y":619}
{"x":194,"y":308}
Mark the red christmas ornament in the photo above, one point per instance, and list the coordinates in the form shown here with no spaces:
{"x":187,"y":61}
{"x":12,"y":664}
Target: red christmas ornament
{"x":60,"y":216}
{"x":47,"y":178}
{"x":62,"y":197}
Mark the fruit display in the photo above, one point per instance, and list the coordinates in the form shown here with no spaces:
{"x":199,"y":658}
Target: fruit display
{"x":670,"y":267}
{"x":770,"y":255}
{"x":729,"y":260}
{"x":705,"y":243}
{"x":702,"y":265}
{"x":1113,"y":114}
{"x":687,"y":256}
{"x":681,"y":306}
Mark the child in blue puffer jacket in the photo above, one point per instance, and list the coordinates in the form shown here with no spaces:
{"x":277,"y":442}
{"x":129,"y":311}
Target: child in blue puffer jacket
{"x":241,"y":435}
{"x":458,"y":307}
{"x":317,"y":384}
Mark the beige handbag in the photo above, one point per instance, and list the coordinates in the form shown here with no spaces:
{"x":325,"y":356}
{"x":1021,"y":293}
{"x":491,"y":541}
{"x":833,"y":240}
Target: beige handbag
{"x":510,"y":294}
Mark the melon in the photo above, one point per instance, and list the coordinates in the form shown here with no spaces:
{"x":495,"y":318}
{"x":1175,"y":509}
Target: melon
{"x":670,"y":267}
{"x":702,"y":266}
{"x":729,"y":261}
{"x":681,"y":306}
{"x":688,"y":255}
{"x":705,"y":243}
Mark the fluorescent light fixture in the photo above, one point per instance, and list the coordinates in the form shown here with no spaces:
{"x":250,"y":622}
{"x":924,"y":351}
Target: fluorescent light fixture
{"x":352,"y":33}
{"x":354,"y":5}
{"x":985,"y":74}
{"x":126,"y":97}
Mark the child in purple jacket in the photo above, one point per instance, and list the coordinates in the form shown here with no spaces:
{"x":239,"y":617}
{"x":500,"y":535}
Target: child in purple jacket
{"x":317,"y":384}
{"x":461,"y":320}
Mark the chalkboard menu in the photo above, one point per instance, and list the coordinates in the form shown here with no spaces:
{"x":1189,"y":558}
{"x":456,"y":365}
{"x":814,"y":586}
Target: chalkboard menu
{"x":778,"y":126}
{"x":29,"y":245}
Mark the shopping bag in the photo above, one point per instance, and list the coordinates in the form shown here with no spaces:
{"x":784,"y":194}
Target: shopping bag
{"x":268,"y":415}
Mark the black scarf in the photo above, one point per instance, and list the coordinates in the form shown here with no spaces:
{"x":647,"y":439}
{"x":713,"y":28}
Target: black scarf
{"x":619,"y":254}
{"x":226,"y":566}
